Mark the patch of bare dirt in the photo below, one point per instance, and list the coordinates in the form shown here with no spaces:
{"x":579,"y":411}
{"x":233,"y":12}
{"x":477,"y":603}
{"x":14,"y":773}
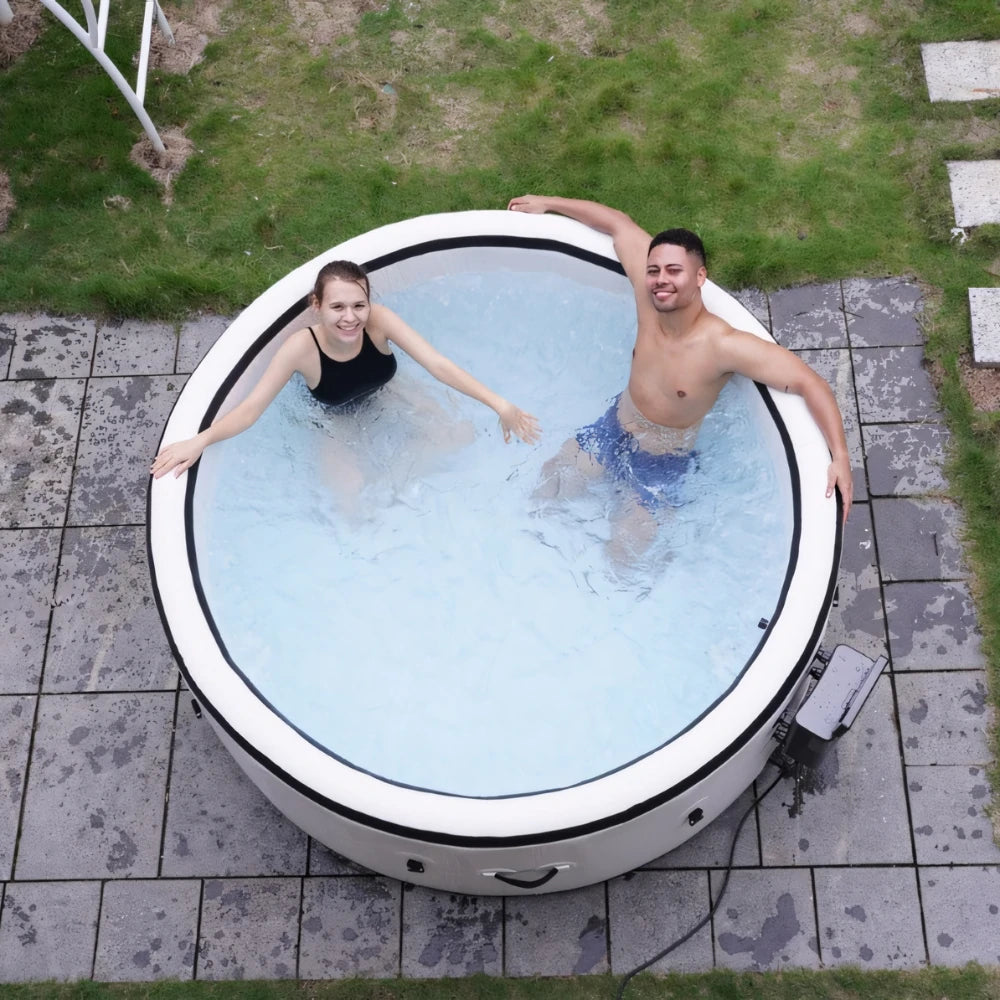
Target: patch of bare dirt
{"x":320,"y":22}
{"x":165,"y":166}
{"x":18,"y":36}
{"x":193,"y":27}
{"x":7,"y":203}
{"x":982,"y":384}
{"x":572,"y":26}
{"x":858,"y":24}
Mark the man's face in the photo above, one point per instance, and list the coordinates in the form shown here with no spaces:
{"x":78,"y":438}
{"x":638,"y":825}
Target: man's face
{"x":673,"y":277}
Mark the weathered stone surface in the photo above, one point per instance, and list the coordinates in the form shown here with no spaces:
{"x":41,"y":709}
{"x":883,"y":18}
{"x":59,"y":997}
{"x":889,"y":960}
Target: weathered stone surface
{"x":975,"y":191}
{"x":932,"y":626}
{"x":919,"y":539}
{"x":883,"y":312}
{"x":962,"y":913}
{"x":810,"y":316}
{"x":962,"y":71}
{"x":131,"y":347}
{"x":51,"y":347}
{"x":196,"y":337}
{"x":893,"y":386}
{"x":451,"y":935}
{"x":945,"y":717}
{"x":16,"y":719}
{"x":905,"y":459}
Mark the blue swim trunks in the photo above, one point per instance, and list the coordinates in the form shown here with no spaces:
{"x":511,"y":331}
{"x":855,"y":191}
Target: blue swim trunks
{"x":655,"y":479}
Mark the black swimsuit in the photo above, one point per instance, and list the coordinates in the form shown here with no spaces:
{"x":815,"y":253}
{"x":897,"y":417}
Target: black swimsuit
{"x":343,"y":382}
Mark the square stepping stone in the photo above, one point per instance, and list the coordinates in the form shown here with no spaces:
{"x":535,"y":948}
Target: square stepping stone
{"x":38,"y":429}
{"x":106,"y":633}
{"x":905,"y":459}
{"x":448,"y":935}
{"x":919,"y":539}
{"x":932,"y":626}
{"x":962,"y":913}
{"x":945,"y":717}
{"x":962,"y":71}
{"x":810,"y":316}
{"x":196,"y":337}
{"x":984,"y":309}
{"x":249,"y":929}
{"x":557,"y":934}
{"x":949,"y":805}
{"x":94,"y":803}
{"x":350,"y":928}
{"x":869,"y":917}
{"x":47,"y":931}
{"x":648,"y":910}
{"x":883,"y":312}
{"x":52,"y":347}
{"x":766,"y":921}
{"x":893,"y":386}
{"x":135,"y":348}
{"x":28,"y":560}
{"x":148,"y":930}
{"x":218,"y":822}
{"x":17,"y":716}
{"x":975,"y":191}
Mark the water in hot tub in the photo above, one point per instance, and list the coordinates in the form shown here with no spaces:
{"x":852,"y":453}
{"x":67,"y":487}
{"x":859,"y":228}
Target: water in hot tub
{"x":390,"y":582}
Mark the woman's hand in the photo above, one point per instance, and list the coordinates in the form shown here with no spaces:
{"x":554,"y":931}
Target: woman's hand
{"x":524,"y":425}
{"x":179,"y":456}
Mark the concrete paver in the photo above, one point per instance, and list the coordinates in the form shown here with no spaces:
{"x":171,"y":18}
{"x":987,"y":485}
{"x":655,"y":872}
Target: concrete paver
{"x":962,"y":910}
{"x":134,"y":348}
{"x":893,"y":386}
{"x":932,"y":626}
{"x":883,"y":312}
{"x":51,"y":347}
{"x":975,"y":191}
{"x":962,"y":71}
{"x":905,"y":459}
{"x":950,"y":824}
{"x":195,"y":338}
{"x":16,"y":719}
{"x":919,"y":539}
{"x":809,"y":317}
{"x":984,"y":310}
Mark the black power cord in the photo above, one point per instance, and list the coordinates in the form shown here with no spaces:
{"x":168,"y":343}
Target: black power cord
{"x":722,"y":891}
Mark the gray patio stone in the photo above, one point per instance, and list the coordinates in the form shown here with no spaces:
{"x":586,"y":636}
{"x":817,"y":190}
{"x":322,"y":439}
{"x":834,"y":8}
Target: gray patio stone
{"x":858,"y":619}
{"x":905,"y":459}
{"x":450,"y":935}
{"x":944,"y":717}
{"x":984,"y":312}
{"x":883,"y":312}
{"x":132,"y":347}
{"x":932,"y":626}
{"x":710,"y":846}
{"x":557,"y":934}
{"x":38,"y":428}
{"x":350,"y":927}
{"x":323,"y":861}
{"x":122,"y":424}
{"x":51,"y":347}
{"x":94,"y":803}
{"x":649,"y":910}
{"x":16,"y":719}
{"x":218,"y":822}
{"x":893,"y":386}
{"x":7,"y":336}
{"x":948,"y":805}
{"x":962,"y":913}
{"x":810,"y":316}
{"x":975,"y":191}
{"x":249,"y":928}
{"x":148,"y":931}
{"x":766,"y":920}
{"x":854,"y":804}
{"x":919,"y":539}
{"x":196,"y":337}
{"x":835,"y":367}
{"x":754,"y":300}
{"x":27,"y":582}
{"x":106,"y":632}
{"x":869,"y":917}
{"x":962,"y":71}
{"x":47,"y":930}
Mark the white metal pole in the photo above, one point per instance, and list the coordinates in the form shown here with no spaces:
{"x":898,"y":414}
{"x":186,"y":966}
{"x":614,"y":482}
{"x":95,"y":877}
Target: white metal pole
{"x":102,"y":23}
{"x":6,"y":14}
{"x":147,"y":32}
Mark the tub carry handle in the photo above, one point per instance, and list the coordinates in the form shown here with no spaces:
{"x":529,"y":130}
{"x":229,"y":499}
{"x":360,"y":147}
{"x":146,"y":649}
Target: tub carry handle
{"x":523,"y":883}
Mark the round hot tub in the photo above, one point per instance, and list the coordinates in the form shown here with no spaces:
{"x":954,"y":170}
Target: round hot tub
{"x":430,"y":658}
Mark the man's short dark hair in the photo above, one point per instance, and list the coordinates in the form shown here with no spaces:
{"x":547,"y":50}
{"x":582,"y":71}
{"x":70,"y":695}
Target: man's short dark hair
{"x":681,"y":238}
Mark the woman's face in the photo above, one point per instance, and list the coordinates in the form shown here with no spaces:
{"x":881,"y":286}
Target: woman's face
{"x":344,"y":309}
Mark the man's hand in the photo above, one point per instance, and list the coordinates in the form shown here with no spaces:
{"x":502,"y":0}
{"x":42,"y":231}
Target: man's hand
{"x":839,"y":475}
{"x":528,"y":203}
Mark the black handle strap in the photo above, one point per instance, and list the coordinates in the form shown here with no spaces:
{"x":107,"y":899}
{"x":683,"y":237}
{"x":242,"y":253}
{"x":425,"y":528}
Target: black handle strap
{"x":521,"y":883}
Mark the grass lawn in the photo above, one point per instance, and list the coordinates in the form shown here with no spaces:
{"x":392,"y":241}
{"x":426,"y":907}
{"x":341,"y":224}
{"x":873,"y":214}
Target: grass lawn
{"x":796,"y":138}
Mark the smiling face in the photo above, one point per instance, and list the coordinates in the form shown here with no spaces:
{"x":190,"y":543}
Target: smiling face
{"x":343,"y":310}
{"x":673,"y":277}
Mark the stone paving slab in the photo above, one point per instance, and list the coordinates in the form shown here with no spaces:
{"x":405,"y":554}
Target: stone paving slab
{"x":195,"y":338}
{"x":893,"y":386}
{"x":919,"y":539}
{"x":905,"y":459}
{"x":932,"y":626}
{"x":350,"y":927}
{"x":323,"y":861}
{"x":869,"y":918}
{"x":148,"y":930}
{"x":131,"y":347}
{"x":756,"y":301}
{"x":48,"y":930}
{"x":766,"y":921}
{"x":962,"y":910}
{"x":810,"y":316}
{"x":975,"y":191}
{"x":94,"y":802}
{"x":962,"y":71}
{"x":7,"y":337}
{"x":883,"y":312}
{"x":51,"y":347}
{"x":558,"y":934}
{"x":16,"y":720}
{"x":28,"y":561}
{"x":944,"y":717}
{"x":984,"y":310}
{"x":249,"y":928}
{"x":38,"y":429}
{"x":950,"y":822}
{"x":649,"y":910}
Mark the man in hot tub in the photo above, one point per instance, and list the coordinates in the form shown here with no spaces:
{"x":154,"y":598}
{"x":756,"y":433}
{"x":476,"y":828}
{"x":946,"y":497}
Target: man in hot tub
{"x":682,"y":358}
